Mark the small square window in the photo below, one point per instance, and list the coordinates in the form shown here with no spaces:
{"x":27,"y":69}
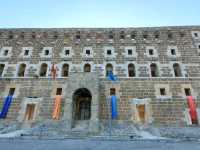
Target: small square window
{"x":5,"y":53}
{"x":87,"y":52}
{"x":11,"y":91}
{"x":162,"y":91}
{"x":187,"y":91}
{"x":151,"y":52}
{"x":196,"y":35}
{"x":109,"y":52}
{"x":130,"y":52}
{"x":26,"y":52}
{"x":59,"y":91}
{"x":67,"y":51}
{"x":46,"y":52}
{"x":112,"y":91}
{"x":173,"y":52}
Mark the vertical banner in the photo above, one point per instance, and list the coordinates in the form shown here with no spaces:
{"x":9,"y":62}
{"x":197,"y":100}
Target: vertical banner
{"x":192,"y":109}
{"x":114,"y":107}
{"x":6,"y":106}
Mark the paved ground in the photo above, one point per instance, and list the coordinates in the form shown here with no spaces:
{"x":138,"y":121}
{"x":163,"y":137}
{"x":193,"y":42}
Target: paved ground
{"x":69,"y":144}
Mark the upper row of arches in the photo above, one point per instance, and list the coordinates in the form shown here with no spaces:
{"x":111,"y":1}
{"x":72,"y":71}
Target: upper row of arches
{"x":154,"y":70}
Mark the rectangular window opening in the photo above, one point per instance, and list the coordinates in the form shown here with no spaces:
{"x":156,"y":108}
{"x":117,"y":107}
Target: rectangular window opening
{"x":67,"y":52}
{"x":59,"y":91}
{"x":173,"y":52}
{"x":151,"y":52}
{"x":87,"y":52}
{"x":109,"y":52}
{"x":11,"y":91}
{"x":30,"y":109}
{"x":187,"y":92}
{"x":130,"y":52}
{"x":26,"y":52}
{"x":196,"y":34}
{"x":46,"y":52}
{"x":112,"y":91}
{"x":5,"y":53}
{"x":162,"y":91}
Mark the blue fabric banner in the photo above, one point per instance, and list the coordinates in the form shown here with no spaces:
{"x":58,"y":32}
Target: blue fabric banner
{"x":114,"y":107}
{"x":6,"y":107}
{"x":111,"y":76}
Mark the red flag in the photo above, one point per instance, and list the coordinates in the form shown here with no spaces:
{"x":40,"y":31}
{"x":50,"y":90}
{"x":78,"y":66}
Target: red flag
{"x":53,"y":71}
{"x":192,"y":107}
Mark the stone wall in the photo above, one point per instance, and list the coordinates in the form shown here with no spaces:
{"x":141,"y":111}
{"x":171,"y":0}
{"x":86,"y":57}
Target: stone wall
{"x":164,"y":110}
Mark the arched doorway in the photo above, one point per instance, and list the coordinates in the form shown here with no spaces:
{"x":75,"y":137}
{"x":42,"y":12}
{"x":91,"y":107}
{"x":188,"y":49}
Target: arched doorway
{"x":81,"y":104}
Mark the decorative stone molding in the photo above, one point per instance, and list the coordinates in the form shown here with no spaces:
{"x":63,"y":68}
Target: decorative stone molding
{"x":5,"y":52}
{"x":170,"y":55}
{"x":127,"y":50}
{"x":25,"y":102}
{"x":154,"y":51}
{"x":63,"y":53}
{"x":43,"y":55}
{"x":24,"y":49}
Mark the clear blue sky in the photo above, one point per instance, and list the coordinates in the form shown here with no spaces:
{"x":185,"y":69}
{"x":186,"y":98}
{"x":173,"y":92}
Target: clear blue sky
{"x":98,"y":13}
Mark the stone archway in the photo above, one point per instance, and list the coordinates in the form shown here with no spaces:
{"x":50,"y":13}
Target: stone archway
{"x":83,"y":86}
{"x":81,"y":104}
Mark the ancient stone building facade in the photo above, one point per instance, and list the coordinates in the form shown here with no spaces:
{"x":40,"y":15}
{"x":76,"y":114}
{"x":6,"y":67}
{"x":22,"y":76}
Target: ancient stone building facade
{"x":156,"y":69}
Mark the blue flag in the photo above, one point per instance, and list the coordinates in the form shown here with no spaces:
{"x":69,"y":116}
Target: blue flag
{"x":6,"y":107}
{"x":114,"y":107}
{"x":111,"y":76}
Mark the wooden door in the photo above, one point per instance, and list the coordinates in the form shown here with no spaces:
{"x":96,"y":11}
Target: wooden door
{"x":30,"y":109}
{"x":141,"y":112}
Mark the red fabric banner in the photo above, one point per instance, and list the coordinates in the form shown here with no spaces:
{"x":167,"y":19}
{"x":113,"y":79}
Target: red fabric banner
{"x":192,"y":107}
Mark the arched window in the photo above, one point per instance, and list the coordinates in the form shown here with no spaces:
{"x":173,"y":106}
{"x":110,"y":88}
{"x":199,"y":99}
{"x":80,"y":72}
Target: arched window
{"x":131,"y":70}
{"x":1,"y":69}
{"x":65,"y":70}
{"x":87,"y":68}
{"x":177,"y":70}
{"x":109,"y":68}
{"x":21,"y":70}
{"x":154,"y":70}
{"x":43,"y":70}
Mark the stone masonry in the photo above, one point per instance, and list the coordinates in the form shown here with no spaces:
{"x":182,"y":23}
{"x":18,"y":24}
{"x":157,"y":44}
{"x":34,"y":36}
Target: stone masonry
{"x":165,"y":68}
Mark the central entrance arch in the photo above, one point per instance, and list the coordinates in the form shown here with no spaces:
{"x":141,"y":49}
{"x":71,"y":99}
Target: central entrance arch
{"x":82,"y":104}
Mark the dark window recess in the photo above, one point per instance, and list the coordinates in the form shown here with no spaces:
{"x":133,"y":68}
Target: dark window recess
{"x":87,"y":52}
{"x":157,"y":35}
{"x":26,"y":52}
{"x":122,"y":37}
{"x":78,"y":37}
{"x":145,"y":36}
{"x":130,"y":52}
{"x":67,"y":52}
{"x":5,"y":53}
{"x":10,"y":36}
{"x":59,"y":91}
{"x":112,"y":91}
{"x":133,"y":36}
{"x":199,"y":46}
{"x":187,"y":92}
{"x":11,"y":91}
{"x":170,"y":36}
{"x":110,"y":36}
{"x":1,"y":69}
{"x":173,"y":52}
{"x":109,"y":52}
{"x":162,"y":91}
{"x":196,"y":34}
{"x":151,"y":52}
{"x":46,"y":52}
